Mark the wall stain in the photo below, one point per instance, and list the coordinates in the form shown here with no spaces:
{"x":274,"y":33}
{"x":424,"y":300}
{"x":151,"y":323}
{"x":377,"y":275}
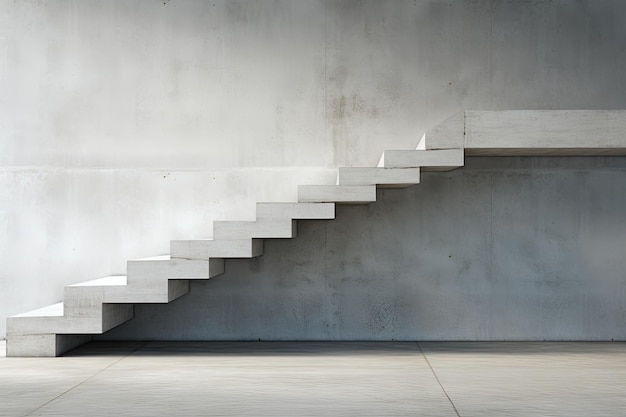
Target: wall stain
{"x":352,"y":107}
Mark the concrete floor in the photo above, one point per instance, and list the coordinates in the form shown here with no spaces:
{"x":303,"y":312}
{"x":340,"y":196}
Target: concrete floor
{"x":313,"y":379}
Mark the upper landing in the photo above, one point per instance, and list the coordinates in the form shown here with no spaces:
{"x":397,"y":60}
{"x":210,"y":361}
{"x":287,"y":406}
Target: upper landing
{"x":532,"y":132}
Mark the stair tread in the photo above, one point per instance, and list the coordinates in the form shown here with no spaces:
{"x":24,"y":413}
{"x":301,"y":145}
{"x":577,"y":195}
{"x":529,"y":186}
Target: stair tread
{"x":53,"y":310}
{"x":113,"y":280}
{"x":154,"y":258}
{"x":215,"y":240}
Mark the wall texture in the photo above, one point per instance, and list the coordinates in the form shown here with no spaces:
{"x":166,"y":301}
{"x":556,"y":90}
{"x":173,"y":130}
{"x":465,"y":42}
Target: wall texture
{"x":126,"y":124}
{"x":504,"y":249}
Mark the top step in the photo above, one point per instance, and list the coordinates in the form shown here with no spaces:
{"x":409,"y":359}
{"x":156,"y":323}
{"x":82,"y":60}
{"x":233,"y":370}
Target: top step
{"x":433,"y":160}
{"x":532,"y":133}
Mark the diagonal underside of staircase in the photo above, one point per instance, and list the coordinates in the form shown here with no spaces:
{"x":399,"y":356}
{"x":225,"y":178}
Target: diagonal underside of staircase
{"x":93,"y":307}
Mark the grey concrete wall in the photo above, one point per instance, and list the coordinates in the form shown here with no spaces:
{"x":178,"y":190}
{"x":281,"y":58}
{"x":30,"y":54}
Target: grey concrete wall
{"x":100,"y":101}
{"x":504,"y":249}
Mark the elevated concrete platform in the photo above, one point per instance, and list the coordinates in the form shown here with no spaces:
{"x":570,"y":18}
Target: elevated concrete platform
{"x":532,"y":133}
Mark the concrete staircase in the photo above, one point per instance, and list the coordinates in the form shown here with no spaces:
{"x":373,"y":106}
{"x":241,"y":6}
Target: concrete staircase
{"x":93,"y":307}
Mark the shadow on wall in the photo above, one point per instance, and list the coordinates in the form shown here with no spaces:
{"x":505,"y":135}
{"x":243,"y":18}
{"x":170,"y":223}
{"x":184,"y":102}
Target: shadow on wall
{"x":503,"y":249}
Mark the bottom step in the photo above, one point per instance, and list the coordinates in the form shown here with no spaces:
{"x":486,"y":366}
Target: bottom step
{"x":43,"y":345}
{"x":56,"y":319}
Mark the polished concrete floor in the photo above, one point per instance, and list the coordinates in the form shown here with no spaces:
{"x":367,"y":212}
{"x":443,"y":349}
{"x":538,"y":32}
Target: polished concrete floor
{"x":319,"y":379}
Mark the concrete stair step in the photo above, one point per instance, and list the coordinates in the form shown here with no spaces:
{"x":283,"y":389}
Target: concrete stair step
{"x":174,"y":268}
{"x":427,"y":160}
{"x":382,"y":177}
{"x":157,"y":289}
{"x":54,"y":320}
{"x":43,"y":345}
{"x":48,"y":332}
{"x":93,"y":299}
{"x":278,"y":228}
{"x":162,"y":279}
{"x":345,"y":194}
{"x":53,"y":310}
{"x":207,"y":249}
{"x":272,"y":211}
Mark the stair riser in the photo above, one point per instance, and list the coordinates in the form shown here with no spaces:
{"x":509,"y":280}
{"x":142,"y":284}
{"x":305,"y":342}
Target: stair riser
{"x":383,"y":177}
{"x":345,"y":194}
{"x":43,"y":345}
{"x":269,"y":211}
{"x":260,"y":229}
{"x":57,"y":325}
{"x":140,"y":270}
{"x":208,"y":249}
{"x":433,"y":160}
{"x":162,"y":291}
{"x":94,"y":302}
{"x":95,"y":319}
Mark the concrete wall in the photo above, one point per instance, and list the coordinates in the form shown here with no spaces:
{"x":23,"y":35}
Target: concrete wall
{"x":126,"y":124}
{"x":504,"y":249}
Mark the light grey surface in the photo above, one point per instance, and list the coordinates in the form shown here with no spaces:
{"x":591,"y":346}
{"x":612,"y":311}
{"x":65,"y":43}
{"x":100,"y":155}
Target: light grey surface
{"x":281,"y":83}
{"x":279,"y":228}
{"x":431,"y":160}
{"x":383,"y":177}
{"x":271,"y":211}
{"x":533,"y":132}
{"x":313,"y":379}
{"x":349,"y":194}
{"x":208,"y":249}
{"x":604,"y":131}
{"x":502,"y":249}
{"x":108,"y":106}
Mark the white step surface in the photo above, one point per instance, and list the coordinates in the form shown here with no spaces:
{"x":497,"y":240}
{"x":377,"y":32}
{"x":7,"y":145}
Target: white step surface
{"x":53,"y":310}
{"x":208,"y":248}
{"x":346,"y":194}
{"x":279,"y":228}
{"x":383,"y":177}
{"x":430,"y":160}
{"x":161,"y":291}
{"x":110,"y":281}
{"x":86,"y":298}
{"x":51,"y":320}
{"x":269,"y":211}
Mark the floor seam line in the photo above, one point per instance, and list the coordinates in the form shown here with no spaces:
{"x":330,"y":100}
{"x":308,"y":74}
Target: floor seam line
{"x":83,"y":381}
{"x":437,"y":379}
